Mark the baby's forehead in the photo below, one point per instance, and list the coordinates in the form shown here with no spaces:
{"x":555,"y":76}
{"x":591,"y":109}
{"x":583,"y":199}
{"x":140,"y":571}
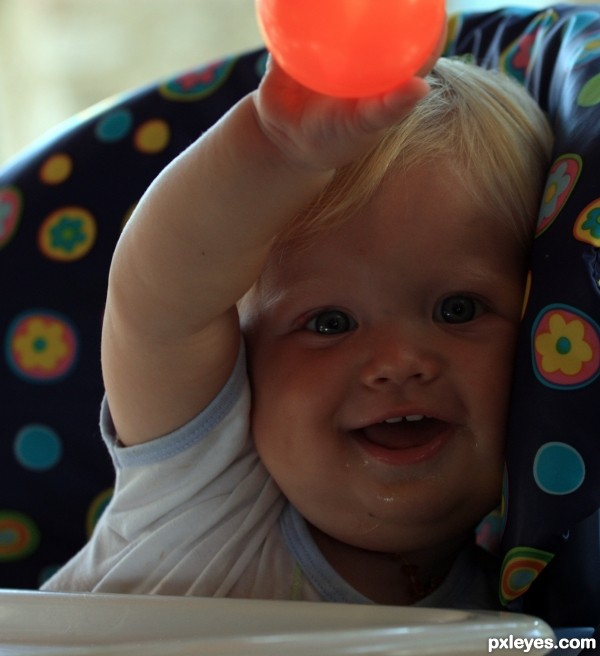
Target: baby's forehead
{"x":286,"y":277}
{"x":424,"y":212}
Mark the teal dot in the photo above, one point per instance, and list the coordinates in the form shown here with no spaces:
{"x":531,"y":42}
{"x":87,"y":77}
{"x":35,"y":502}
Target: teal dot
{"x":37,"y":447}
{"x":114,"y":126}
{"x":558,"y":468}
{"x":40,"y":344}
{"x":563,"y":345}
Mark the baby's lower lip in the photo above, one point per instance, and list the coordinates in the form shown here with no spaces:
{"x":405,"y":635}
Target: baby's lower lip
{"x":404,"y":443}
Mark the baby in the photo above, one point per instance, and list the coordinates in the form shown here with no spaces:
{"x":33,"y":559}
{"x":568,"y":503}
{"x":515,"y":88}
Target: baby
{"x":308,"y":346}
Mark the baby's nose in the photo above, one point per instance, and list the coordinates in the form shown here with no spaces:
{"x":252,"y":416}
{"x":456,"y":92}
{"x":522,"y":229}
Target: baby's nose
{"x":395,"y":358}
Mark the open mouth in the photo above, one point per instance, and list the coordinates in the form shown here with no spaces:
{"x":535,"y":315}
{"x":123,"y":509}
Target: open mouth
{"x":404,"y":440}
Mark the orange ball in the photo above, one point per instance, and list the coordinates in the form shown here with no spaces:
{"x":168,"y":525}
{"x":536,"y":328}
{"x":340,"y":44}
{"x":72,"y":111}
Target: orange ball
{"x":351,"y":48}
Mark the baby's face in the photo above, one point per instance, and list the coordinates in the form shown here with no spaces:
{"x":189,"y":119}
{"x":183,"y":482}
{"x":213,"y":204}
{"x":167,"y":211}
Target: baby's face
{"x":381,"y":367}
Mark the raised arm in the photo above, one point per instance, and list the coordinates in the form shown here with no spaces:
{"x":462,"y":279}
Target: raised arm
{"x":201,"y":234}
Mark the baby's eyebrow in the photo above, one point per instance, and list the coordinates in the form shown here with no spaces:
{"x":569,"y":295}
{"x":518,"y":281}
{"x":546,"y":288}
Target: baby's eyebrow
{"x":299,"y":291}
{"x":480,"y":269}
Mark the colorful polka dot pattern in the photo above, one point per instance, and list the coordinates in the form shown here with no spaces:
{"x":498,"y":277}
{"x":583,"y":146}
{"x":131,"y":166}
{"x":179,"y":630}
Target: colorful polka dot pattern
{"x":62,"y":207}
{"x":566,"y":348}
{"x":41,"y":346}
{"x":562,"y":178}
{"x":196,"y":85}
{"x":553,"y":459}
{"x":587,"y":225}
{"x":19,"y":536}
{"x":520,"y":569}
{"x":10,"y":213}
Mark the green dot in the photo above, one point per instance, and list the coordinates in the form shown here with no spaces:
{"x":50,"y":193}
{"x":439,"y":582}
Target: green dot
{"x":563,"y":345}
{"x":590,"y":92}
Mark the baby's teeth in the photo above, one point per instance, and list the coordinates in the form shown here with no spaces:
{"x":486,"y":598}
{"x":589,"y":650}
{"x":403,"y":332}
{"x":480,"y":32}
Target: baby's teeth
{"x":397,"y":420}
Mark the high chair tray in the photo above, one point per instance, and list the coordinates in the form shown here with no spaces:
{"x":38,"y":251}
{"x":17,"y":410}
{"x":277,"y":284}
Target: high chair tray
{"x":45,"y":624}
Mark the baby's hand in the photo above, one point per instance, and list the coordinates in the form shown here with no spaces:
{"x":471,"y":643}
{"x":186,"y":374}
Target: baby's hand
{"x":318,"y":132}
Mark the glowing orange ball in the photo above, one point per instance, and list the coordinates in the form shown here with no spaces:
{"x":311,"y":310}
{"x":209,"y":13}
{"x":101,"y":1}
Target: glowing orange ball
{"x":351,"y":48}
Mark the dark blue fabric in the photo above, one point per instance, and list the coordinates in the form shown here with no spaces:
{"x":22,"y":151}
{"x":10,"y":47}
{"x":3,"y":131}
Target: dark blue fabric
{"x":553,"y":457}
{"x":62,"y":207}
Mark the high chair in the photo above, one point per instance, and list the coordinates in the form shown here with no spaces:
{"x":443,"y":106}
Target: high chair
{"x":549,"y":520}
{"x":64,"y":201}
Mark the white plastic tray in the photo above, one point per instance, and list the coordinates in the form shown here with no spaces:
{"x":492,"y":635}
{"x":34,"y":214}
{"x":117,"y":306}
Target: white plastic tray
{"x":41,"y":624}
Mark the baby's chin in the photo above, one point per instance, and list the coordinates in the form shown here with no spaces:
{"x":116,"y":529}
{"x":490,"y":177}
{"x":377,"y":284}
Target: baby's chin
{"x":382,"y":529}
{"x":422,"y":546}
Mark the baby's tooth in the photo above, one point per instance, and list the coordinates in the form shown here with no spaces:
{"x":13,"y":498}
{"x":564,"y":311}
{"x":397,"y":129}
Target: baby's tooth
{"x":397,"y":420}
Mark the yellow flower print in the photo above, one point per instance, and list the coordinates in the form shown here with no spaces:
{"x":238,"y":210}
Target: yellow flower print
{"x":564,"y":348}
{"x":42,"y":346}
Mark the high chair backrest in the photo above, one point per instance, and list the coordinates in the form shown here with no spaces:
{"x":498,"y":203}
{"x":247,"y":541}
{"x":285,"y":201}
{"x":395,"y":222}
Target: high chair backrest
{"x":64,"y":202}
{"x":549,"y":517}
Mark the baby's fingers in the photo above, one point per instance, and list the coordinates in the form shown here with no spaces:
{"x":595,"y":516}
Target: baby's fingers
{"x":380,"y":112}
{"x":383,"y":111}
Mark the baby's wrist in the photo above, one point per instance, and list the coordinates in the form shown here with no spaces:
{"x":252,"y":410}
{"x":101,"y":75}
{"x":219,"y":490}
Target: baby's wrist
{"x":284,"y":149}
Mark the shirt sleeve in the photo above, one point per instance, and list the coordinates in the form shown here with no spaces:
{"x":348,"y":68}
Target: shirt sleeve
{"x":176,"y":500}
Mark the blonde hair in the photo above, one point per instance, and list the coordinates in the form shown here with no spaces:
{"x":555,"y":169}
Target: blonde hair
{"x":483,"y":122}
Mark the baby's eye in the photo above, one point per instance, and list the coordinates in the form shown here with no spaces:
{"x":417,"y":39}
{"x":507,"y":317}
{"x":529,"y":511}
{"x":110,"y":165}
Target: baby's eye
{"x":458,"y":309}
{"x":331,"y":322}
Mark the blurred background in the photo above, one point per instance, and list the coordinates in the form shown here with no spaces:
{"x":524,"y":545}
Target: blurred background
{"x":58,"y":57}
